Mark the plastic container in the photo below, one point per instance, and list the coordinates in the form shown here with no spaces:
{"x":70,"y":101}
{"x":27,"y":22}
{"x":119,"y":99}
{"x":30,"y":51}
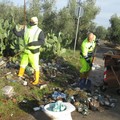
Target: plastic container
{"x":8,"y":91}
{"x":66,"y":114}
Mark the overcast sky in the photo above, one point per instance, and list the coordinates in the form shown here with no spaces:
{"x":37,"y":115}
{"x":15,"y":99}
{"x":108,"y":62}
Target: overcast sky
{"x":108,"y":8}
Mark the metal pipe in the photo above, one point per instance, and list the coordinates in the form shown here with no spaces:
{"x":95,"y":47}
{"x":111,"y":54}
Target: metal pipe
{"x":24,"y":12}
{"x":77,"y":26}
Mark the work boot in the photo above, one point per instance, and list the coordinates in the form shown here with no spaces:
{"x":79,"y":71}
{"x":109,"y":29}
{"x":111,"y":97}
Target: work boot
{"x":36,"y":78}
{"x":21,"y":73}
{"x":37,"y":81}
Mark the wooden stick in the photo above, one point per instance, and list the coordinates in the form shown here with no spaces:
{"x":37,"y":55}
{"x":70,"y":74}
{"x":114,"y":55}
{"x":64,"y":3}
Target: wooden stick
{"x":115,"y":75}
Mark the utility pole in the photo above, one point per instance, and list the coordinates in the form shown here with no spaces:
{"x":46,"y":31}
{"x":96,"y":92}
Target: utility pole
{"x":79,"y":14}
{"x":24,"y":13}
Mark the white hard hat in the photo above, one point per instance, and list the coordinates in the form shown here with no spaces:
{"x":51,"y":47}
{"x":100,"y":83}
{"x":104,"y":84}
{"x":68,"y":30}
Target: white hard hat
{"x":34,"y":20}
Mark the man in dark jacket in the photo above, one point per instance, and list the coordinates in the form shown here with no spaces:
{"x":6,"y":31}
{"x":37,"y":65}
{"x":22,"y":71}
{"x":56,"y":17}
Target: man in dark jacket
{"x":33,"y":39}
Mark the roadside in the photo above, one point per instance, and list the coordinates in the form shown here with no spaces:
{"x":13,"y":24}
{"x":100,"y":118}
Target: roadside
{"x":97,"y":77}
{"x":106,"y":113}
{"x":65,"y":75}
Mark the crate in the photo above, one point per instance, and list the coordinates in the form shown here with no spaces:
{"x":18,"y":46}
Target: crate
{"x":112,"y":61}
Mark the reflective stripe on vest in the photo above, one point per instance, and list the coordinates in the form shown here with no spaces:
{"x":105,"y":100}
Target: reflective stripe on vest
{"x":31,"y":34}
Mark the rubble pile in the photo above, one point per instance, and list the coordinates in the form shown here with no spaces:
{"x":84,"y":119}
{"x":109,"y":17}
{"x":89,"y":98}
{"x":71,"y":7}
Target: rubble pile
{"x":83,"y":101}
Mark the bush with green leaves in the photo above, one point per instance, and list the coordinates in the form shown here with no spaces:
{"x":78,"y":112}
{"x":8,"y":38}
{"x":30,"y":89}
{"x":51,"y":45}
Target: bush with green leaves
{"x":52,"y":46}
{"x":8,"y":41}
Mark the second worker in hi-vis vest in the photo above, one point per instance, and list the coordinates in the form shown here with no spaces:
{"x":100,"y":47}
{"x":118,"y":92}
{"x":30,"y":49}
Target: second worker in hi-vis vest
{"x":86,"y":52}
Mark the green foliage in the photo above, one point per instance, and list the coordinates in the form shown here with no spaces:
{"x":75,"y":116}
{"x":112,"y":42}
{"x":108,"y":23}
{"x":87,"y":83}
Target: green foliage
{"x":72,"y":57}
{"x":52,"y":46}
{"x":48,"y":15}
{"x":114,"y":30}
{"x":49,"y":22}
{"x":101,"y":32}
{"x":66,"y":24}
{"x":34,"y":8}
{"x":63,"y":21}
{"x":90,"y":12}
{"x":6,"y":34}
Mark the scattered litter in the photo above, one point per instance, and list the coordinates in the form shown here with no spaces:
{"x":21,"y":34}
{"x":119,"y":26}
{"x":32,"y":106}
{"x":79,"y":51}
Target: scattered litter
{"x":58,"y":94}
{"x":95,"y":66}
{"x":29,"y":70}
{"x":59,"y":115}
{"x":57,"y":106}
{"x":9,"y":76}
{"x":36,"y":108}
{"x":8,"y":91}
{"x":11,"y":115}
{"x":84,"y":84}
{"x":24,"y":83}
{"x":13,"y":80}
{"x":8,"y":73}
{"x":43,"y":86}
{"x":24,"y":101}
{"x":41,"y":107}
{"x":2,"y":63}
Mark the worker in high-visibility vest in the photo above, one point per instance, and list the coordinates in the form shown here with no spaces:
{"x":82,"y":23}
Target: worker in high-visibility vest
{"x":33,"y":39}
{"x":86,"y":51}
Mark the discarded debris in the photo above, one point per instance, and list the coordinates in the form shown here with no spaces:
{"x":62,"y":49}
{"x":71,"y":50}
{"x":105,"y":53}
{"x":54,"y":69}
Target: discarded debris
{"x":36,"y":108}
{"x":25,"y":83}
{"x":57,"y":106}
{"x":8,"y":91}
{"x":83,"y":101}
{"x":43,"y":86}
{"x":2,"y":63}
{"x":95,"y":66}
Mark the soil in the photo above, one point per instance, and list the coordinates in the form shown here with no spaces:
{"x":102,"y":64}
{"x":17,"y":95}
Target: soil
{"x":96,"y":76}
{"x":97,"y":79}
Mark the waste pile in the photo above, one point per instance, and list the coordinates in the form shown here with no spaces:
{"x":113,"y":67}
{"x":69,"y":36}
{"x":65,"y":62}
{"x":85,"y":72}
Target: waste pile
{"x":58,"y":67}
{"x":50,"y":69}
{"x":57,"y":106}
{"x":83,"y":101}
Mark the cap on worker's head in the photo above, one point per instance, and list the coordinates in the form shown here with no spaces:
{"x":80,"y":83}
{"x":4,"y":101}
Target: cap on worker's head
{"x":34,"y":20}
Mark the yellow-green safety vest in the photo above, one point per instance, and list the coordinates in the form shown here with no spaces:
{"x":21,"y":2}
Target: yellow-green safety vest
{"x":31,"y":34}
{"x":88,"y":47}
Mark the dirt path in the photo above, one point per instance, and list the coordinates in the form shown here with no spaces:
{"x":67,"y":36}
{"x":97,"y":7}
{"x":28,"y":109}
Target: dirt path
{"x":97,"y":79}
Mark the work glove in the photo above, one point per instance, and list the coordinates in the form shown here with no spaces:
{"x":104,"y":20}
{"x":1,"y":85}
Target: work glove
{"x":90,"y":64}
{"x":34,"y":43}
{"x":90,"y":55}
{"x":88,"y":61}
{"x":97,"y":41}
{"x":29,"y":44}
